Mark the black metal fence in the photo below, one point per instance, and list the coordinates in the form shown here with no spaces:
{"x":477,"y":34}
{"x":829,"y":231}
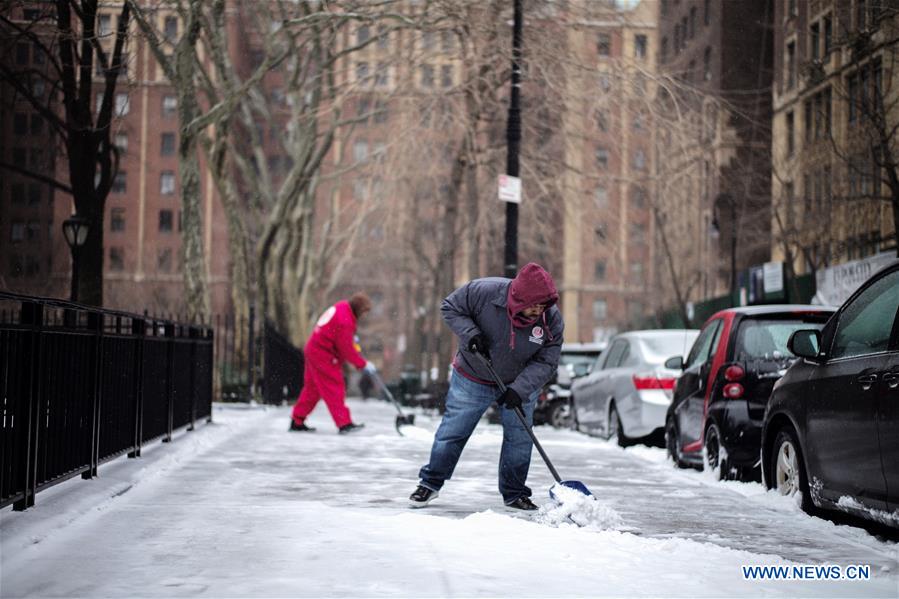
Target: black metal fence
{"x":80,"y":386}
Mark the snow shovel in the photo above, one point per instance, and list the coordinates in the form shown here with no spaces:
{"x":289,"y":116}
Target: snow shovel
{"x":571,"y":484}
{"x":401,"y":419}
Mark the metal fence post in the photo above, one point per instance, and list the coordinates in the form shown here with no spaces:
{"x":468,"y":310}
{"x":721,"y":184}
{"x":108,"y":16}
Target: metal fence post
{"x":193,"y":376}
{"x":95,"y":323}
{"x":251,"y":353}
{"x":170,"y":379}
{"x":32,"y":314}
{"x":139,"y":330}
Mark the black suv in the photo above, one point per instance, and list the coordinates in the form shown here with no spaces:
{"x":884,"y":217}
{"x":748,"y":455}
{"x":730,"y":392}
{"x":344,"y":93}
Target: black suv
{"x":831,"y":429}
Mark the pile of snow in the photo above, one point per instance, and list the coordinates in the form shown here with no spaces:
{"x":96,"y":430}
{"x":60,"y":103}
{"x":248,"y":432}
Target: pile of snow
{"x":571,"y":507}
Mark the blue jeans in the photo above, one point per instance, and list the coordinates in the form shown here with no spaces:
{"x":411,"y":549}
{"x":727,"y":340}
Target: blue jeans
{"x":466,"y":402}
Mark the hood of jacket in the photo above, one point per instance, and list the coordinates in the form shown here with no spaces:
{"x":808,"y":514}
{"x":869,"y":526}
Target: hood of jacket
{"x":532,"y":285}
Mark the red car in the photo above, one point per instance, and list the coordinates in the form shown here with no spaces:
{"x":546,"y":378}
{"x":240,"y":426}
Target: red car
{"x":719,"y":401}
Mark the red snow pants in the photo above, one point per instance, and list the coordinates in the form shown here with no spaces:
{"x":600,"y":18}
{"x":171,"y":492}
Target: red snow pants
{"x":322,"y":379}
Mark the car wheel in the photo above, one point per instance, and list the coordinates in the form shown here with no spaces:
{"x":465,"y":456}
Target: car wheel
{"x":617,"y":431}
{"x":672,"y":443}
{"x":715,"y":456}
{"x":560,"y":415}
{"x":788,"y":469}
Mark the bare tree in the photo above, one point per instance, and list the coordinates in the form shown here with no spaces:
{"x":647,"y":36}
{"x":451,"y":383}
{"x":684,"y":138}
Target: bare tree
{"x":64,"y":34}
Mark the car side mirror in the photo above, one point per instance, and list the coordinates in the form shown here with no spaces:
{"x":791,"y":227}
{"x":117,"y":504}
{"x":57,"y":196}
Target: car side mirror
{"x":805,"y":343}
{"x":675,"y":363}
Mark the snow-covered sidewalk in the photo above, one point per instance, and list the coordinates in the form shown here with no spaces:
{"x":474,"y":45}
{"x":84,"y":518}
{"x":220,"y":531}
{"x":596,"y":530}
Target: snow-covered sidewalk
{"x":242,"y":508}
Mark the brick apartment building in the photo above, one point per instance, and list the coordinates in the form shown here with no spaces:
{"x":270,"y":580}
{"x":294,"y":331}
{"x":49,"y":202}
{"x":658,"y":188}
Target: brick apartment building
{"x":831,"y":202}
{"x":718,"y":208}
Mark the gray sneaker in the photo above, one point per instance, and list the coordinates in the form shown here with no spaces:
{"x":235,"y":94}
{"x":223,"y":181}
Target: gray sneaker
{"x":422,"y":496}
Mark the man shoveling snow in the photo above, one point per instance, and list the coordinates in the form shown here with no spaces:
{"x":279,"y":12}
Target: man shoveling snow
{"x":517,"y":325}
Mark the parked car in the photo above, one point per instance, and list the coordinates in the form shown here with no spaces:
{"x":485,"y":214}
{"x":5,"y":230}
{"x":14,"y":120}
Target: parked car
{"x":628,"y":390}
{"x":723,"y":389}
{"x":554,"y":403}
{"x":831,"y":429}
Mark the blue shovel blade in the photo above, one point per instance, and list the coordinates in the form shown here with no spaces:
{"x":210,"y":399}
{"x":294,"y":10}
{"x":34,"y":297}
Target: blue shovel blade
{"x":572,"y":484}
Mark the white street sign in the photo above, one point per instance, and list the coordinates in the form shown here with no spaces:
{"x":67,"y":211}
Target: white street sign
{"x":509,"y":189}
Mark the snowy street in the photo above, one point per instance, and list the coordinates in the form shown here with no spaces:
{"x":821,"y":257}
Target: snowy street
{"x":242,"y":508}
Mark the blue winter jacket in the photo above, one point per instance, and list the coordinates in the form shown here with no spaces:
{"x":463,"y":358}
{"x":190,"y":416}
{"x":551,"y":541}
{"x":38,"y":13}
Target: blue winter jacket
{"x":524,"y":363}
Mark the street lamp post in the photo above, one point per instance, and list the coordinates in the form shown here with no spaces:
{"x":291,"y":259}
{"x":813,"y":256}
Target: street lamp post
{"x":75,"y":230}
{"x":513,"y":140}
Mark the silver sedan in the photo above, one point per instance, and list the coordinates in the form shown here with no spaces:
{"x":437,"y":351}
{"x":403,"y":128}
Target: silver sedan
{"x":626,"y":394}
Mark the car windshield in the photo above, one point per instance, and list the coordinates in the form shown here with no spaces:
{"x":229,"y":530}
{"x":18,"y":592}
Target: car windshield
{"x":580,"y":363}
{"x":766,"y":339}
{"x":659,"y":348}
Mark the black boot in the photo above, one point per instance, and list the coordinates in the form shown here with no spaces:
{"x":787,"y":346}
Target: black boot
{"x":350,"y":428}
{"x":302,"y":428}
{"x":522,"y":503}
{"x":422,"y":496}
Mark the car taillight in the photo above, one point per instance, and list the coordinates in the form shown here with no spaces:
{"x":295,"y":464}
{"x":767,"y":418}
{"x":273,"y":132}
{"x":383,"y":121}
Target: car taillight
{"x":733,"y":391}
{"x":644,"y":382}
{"x":734,"y":373}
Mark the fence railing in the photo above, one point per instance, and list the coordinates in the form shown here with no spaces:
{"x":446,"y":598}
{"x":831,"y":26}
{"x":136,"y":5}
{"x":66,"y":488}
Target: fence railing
{"x":80,"y":386}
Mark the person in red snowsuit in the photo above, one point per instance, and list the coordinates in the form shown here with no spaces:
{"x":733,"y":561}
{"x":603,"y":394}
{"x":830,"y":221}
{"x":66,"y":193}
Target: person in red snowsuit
{"x":330,"y":345}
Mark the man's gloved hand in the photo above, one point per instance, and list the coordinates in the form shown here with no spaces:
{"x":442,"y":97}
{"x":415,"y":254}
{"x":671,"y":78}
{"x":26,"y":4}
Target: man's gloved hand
{"x":369,"y":368}
{"x":479,"y":345}
{"x":509,"y":399}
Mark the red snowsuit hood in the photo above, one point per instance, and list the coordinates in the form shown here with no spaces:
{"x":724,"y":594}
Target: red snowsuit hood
{"x":532,"y":285}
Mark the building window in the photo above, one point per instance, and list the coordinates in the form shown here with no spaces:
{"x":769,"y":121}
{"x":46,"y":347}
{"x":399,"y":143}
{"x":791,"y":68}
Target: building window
{"x":360,"y":150}
{"x":382,"y":75}
{"x":599,"y":270}
{"x":790,"y":140}
{"x":828,"y":37}
{"x":637,"y":272}
{"x":637,"y":232}
{"x":166,"y":220}
{"x":122,"y":105}
{"x":381,"y":114}
{"x":427,"y":75}
{"x":814,"y":40}
{"x":167,"y":183}
{"x":383,"y":37}
{"x":363,"y":34}
{"x":861,"y":14}
{"x":362,"y":72}
{"x":676,"y":46}
{"x":639,"y":160}
{"x":164,"y":260}
{"x":121,"y":143}
{"x":35,"y":194}
{"x":17,"y":231}
{"x":170,"y":29}
{"x":640,"y":46}
{"x":447,"y":42}
{"x":600,"y":234}
{"x":692,"y":22}
{"x":37,"y":124}
{"x":792,"y":9}
{"x":707,"y":64}
{"x":116,"y":259}
{"x":20,"y":123}
{"x":167,"y":144}
{"x":602,"y":158}
{"x":808,"y":121}
{"x":600,"y":310}
{"x":601,"y":198}
{"x":120,"y":182}
{"x":23,"y":53}
{"x":663,"y":53}
{"x":169,"y":105}
{"x":791,"y":65}
{"x":789,"y":208}
{"x":446,"y":75}
{"x":604,"y":44}
{"x":117,"y":220}
{"x":707,"y":13}
{"x":427,"y":40}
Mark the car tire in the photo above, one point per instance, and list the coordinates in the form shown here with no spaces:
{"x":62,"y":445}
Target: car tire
{"x":616,"y":429}
{"x":672,"y":444}
{"x":788,"y":469}
{"x":560,"y":414}
{"x":714,"y":455}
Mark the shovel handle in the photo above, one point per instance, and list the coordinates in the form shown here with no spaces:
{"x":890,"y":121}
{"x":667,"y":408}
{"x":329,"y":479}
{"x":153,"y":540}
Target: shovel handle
{"x":387,"y":392}
{"x":520,"y":413}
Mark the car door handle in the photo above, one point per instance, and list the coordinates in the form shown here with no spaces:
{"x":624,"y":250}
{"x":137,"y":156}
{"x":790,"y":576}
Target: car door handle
{"x":867,"y":381}
{"x":891,"y":379}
